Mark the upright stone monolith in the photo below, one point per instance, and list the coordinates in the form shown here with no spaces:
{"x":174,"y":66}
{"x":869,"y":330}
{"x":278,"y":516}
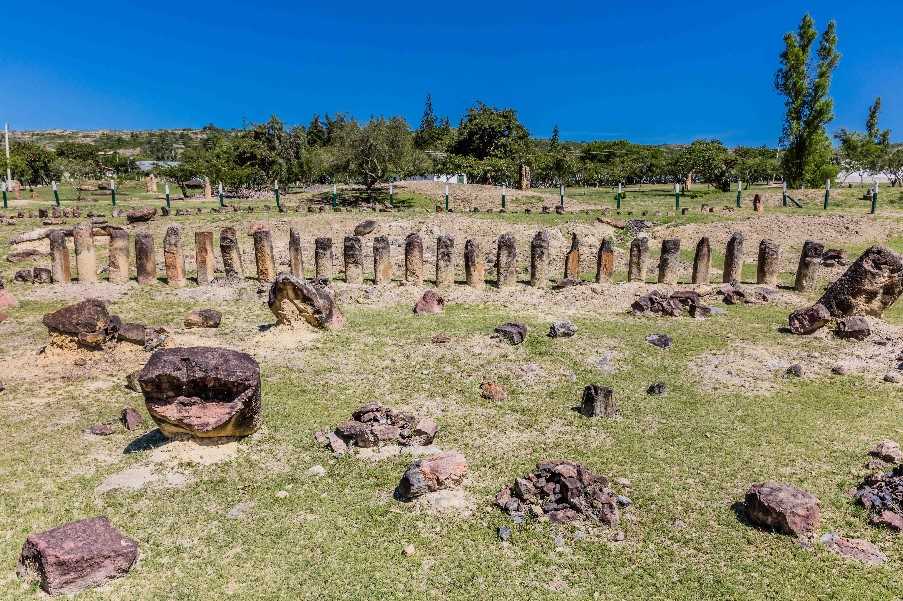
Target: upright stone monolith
{"x":174,"y":257}
{"x":231,"y":251}
{"x":768,"y":267}
{"x":323,"y":258}
{"x":636,"y":267}
{"x":59,"y":257}
{"x":702,"y":261}
{"x":263,"y":255}
{"x":204,"y":257}
{"x":353,"y":255}
{"x":506,"y":261}
{"x":445,"y":261}
{"x":605,"y":261}
{"x":85,"y":257}
{"x":807,"y":271}
{"x":295,"y":257}
{"x":382,"y":260}
{"x":733,"y":259}
{"x":669,"y":261}
{"x":145,"y":261}
{"x":474,"y":265}
{"x":540,"y":257}
{"x":118,"y":265}
{"x":413,"y":259}
{"x":572,"y":260}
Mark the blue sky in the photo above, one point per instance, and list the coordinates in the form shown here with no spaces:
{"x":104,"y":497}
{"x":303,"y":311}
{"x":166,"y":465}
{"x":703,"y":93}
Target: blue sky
{"x":650,"y":72}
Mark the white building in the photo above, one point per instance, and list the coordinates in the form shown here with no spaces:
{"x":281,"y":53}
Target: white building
{"x":460,"y":178}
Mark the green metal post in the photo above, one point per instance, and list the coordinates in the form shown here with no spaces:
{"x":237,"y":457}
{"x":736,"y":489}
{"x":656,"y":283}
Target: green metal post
{"x":446,"y":198}
{"x":5,"y":200}
{"x":676,"y":197}
{"x":561,"y":195}
{"x":276,"y":192}
{"x":784,"y":195}
{"x":739,"y":188}
{"x":335,"y":199}
{"x":827,"y":194}
{"x":56,"y":193}
{"x":504,"y":203}
{"x":220,"y":194}
{"x":874,"y":201}
{"x":618,"y":198}
{"x":113,"y":192}
{"x":167,"y":196}
{"x":391,"y":194}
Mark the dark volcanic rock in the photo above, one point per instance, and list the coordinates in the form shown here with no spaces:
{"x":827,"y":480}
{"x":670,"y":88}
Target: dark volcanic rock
{"x":783,"y":508}
{"x":88,"y":322}
{"x":657,"y":389}
{"x":512,"y":333}
{"x":809,"y":320}
{"x":292,"y":299}
{"x":882,"y":495}
{"x":437,"y":472}
{"x":855,"y":327}
{"x":23,"y":275}
{"x":140,"y":215}
{"x":657,"y":302}
{"x":76,"y":556}
{"x":203,"y":318}
{"x":365,"y":227}
{"x":659,"y":340}
{"x":135,"y":333}
{"x":564,"y":491}
{"x":202,"y":391}
{"x":562,"y":329}
{"x":131,"y":419}
{"x":429,"y":303}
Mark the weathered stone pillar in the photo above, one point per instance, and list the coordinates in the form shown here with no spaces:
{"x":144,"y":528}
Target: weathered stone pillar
{"x":807,"y":272}
{"x":474,"y":265}
{"x":605,"y":261}
{"x":733,"y":259}
{"x":353,"y":254}
{"x":758,"y":206}
{"x":204,"y":257}
{"x":231,"y":251}
{"x":702,"y":261}
{"x":540,"y":257}
{"x":636,"y":266}
{"x":382,"y":260}
{"x":174,"y":257}
{"x":295,"y":257}
{"x":572,"y":260}
{"x":413,"y":259}
{"x":768,"y":267}
{"x":85,"y":257}
{"x":263,"y":255}
{"x":669,"y":261}
{"x":59,"y":257}
{"x":145,"y":262}
{"x":118,"y":266}
{"x":323,"y":258}
{"x":506,"y":261}
{"x":445,"y":261}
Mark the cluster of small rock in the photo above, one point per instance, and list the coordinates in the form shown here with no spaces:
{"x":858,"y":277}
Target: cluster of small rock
{"x":563,"y":491}
{"x":374,"y":425}
{"x":89,"y":324}
{"x":674,"y":304}
{"x":881,"y":493}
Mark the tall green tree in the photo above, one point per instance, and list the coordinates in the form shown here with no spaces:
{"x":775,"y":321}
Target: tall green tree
{"x":805,"y":83}
{"x":427,"y":134}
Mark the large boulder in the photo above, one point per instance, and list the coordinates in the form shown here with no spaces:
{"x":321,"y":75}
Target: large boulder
{"x":429,"y":303}
{"x":365,"y":227}
{"x":203,"y":318}
{"x":75,"y":556}
{"x":870,"y":285}
{"x":436,"y":472}
{"x":783,"y":508}
{"x":88,"y":323}
{"x":202,"y":391}
{"x":293,"y":299}
{"x":140,"y":215}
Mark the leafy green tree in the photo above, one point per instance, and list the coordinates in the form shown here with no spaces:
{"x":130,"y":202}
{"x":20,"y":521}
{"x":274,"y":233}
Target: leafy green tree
{"x":383,"y":148}
{"x":865,"y":152}
{"x":316,"y":133}
{"x":428,"y":132}
{"x":758,"y":164}
{"x":486,"y":131}
{"x":31,"y":163}
{"x":805,"y":85}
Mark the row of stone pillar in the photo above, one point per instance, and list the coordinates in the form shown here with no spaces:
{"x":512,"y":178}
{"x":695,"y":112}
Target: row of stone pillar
{"x":768,"y":267}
